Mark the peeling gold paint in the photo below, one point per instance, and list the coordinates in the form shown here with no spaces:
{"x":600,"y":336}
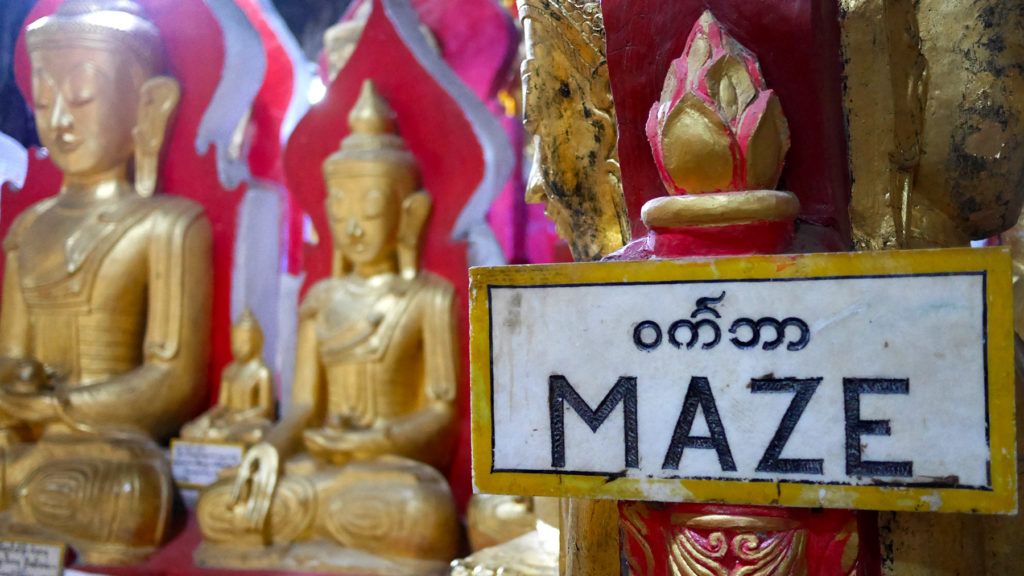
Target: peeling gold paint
{"x":934,"y":97}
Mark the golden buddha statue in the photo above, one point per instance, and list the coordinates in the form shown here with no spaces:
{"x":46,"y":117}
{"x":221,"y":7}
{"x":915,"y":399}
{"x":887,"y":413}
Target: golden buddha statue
{"x":347,"y":469}
{"x":245,"y":405}
{"x":104,"y":318}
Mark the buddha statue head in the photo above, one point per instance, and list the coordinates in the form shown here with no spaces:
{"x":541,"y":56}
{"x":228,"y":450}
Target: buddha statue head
{"x":568,"y":109}
{"x":375,"y":208}
{"x":246,"y":337}
{"x":98,"y":93}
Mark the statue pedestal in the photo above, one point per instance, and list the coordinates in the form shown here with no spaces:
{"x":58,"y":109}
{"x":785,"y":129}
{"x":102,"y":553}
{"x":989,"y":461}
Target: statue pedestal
{"x":175,"y":559}
{"x":811,"y":541}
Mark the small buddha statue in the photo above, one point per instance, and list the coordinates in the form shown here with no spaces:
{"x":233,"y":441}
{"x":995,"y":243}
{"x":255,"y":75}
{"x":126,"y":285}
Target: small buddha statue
{"x":349,"y":468}
{"x":245,"y":404}
{"x":104,"y":319}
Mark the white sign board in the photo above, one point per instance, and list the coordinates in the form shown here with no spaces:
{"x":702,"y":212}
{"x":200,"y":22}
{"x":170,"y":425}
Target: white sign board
{"x":831,"y":381}
{"x":197,"y":464}
{"x":31,"y":558}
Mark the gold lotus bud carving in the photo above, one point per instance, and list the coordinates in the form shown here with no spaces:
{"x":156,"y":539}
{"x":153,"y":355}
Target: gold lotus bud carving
{"x":719,"y":138}
{"x":717,"y":126}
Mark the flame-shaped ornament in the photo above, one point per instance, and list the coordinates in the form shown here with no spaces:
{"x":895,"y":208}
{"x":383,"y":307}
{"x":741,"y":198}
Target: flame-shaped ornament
{"x":717,"y":126}
{"x":719,"y":139}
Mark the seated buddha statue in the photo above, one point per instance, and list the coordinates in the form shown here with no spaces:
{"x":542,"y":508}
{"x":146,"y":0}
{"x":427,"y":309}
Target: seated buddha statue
{"x":104,"y":317}
{"x":350,"y":466}
{"x":245,"y":403}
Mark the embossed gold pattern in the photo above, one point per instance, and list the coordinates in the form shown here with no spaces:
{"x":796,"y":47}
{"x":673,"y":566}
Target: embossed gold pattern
{"x":715,"y":545}
{"x":633,"y":522}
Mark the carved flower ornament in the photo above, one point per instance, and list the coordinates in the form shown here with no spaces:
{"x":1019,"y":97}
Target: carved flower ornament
{"x":717,"y":126}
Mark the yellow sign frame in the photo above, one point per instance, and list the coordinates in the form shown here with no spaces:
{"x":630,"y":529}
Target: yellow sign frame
{"x":994,"y":262}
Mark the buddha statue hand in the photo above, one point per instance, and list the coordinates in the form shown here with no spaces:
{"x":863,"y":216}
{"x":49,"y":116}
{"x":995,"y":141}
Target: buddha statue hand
{"x":24,"y":375}
{"x":26,"y":391}
{"x":340,"y":446}
{"x":204,"y":427}
{"x":255,"y":483}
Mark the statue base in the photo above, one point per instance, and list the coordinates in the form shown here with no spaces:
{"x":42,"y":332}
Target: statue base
{"x":85,"y":552}
{"x":532,"y":554}
{"x":313,"y":556}
{"x":714,"y":224}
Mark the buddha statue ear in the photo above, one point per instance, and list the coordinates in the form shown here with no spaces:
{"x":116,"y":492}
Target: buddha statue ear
{"x":158,"y":98}
{"x":415,"y":209}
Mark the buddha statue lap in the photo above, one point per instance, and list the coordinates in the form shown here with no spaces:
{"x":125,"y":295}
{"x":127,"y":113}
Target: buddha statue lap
{"x":245,"y":404}
{"x":101,"y":284}
{"x":346,"y":475}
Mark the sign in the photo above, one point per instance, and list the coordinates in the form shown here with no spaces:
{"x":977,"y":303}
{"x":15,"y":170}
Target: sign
{"x":197,"y":464}
{"x":855,"y":380}
{"x":31,"y":558}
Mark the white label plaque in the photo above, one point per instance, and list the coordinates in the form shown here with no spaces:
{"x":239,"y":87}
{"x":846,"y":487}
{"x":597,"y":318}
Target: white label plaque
{"x":29,"y":558}
{"x":663,"y":388}
{"x":197,"y":464}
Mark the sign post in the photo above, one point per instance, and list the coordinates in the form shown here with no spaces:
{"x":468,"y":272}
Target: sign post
{"x":856,"y":380}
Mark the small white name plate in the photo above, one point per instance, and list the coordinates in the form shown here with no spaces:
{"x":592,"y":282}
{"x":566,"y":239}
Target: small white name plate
{"x":197,"y":464}
{"x":31,"y":558}
{"x":880,"y":381}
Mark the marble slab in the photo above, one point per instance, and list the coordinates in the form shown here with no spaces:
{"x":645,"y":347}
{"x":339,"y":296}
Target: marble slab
{"x":195,"y":465}
{"x":877,"y":381}
{"x":24,"y":557}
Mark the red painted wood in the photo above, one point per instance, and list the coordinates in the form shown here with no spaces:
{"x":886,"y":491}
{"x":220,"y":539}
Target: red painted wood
{"x":735,"y":240}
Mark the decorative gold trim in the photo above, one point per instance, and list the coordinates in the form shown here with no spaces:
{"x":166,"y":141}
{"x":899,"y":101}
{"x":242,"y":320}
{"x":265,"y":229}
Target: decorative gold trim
{"x":634,"y":515}
{"x":762,"y":552}
{"x":720,"y":208}
{"x":739,"y":523}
